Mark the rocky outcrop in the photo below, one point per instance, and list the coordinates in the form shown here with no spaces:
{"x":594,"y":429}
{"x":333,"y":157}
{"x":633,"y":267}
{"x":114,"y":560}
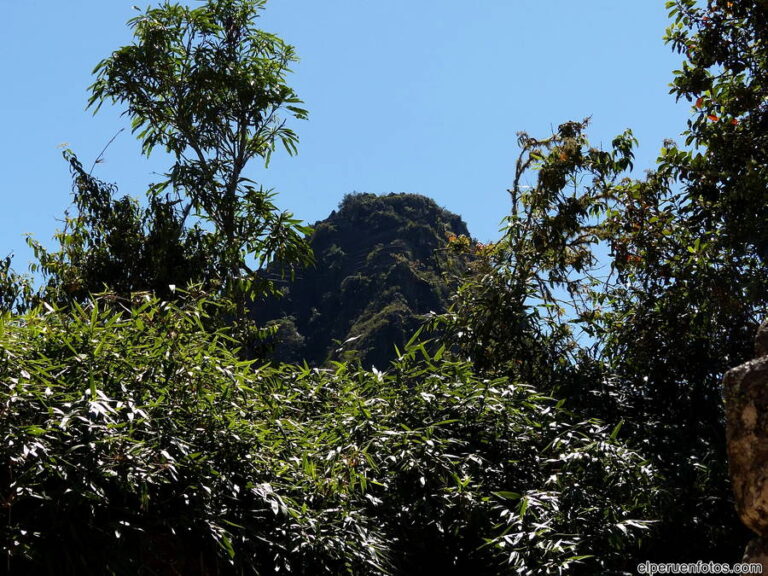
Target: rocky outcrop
{"x":746,"y":405}
{"x":381,"y":266}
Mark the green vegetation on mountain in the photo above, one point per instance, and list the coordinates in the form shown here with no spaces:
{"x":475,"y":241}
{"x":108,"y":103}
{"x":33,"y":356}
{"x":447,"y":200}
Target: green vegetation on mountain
{"x":382,"y":265}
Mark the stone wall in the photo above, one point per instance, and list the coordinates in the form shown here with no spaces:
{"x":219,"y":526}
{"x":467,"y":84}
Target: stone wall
{"x":746,"y":409}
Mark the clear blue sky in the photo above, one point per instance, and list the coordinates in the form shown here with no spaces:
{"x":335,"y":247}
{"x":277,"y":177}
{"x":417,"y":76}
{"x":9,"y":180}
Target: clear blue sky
{"x":422,"y":96}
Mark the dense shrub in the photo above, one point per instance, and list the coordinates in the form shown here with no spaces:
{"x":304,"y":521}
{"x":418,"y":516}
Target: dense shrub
{"x":133,"y":441}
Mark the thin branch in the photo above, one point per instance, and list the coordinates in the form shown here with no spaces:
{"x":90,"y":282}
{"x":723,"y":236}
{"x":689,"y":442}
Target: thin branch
{"x":100,"y":157}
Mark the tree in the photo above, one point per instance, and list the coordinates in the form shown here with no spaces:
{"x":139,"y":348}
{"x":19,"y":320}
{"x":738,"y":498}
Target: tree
{"x":115,"y":244}
{"x":210,"y":88}
{"x":688,"y":246}
{"x":16,"y":291}
{"x":682,"y":311}
{"x":644,"y":343}
{"x":694,"y":290}
{"x":725,"y":75}
{"x":530,"y":295}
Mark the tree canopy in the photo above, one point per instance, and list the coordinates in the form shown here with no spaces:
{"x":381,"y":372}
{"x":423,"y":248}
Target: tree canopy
{"x":209,"y":88}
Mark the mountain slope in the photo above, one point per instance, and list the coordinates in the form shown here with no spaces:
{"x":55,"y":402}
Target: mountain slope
{"x":381,"y":266}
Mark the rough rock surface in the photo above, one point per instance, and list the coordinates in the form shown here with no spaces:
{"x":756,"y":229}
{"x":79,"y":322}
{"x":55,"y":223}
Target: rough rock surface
{"x":756,"y":553}
{"x":382,"y":265}
{"x":746,"y":405}
{"x":761,"y":341}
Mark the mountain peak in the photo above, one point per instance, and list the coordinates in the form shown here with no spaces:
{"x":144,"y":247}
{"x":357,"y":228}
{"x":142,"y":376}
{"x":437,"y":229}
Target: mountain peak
{"x":381,"y":267}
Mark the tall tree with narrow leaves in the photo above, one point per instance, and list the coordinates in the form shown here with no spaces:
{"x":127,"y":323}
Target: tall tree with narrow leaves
{"x":210,"y":88}
{"x":724,"y":75}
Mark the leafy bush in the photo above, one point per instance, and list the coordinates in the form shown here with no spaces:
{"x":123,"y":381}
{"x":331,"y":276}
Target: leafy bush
{"x":134,"y":441}
{"x":16,"y":291}
{"x":115,"y":242}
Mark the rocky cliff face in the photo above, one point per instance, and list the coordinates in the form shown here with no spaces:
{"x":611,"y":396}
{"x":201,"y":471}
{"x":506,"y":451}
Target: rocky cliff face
{"x":381,"y":266}
{"x":746,"y":407}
